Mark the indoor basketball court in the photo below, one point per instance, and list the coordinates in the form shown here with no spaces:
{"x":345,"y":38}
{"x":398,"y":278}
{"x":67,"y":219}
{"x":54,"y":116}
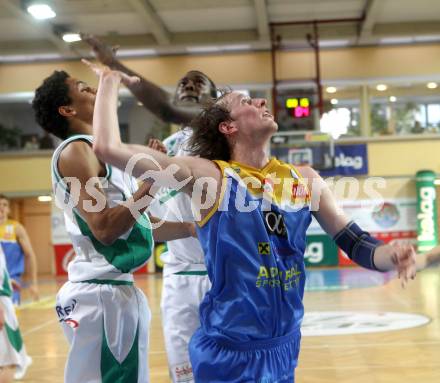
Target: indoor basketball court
{"x":349,"y":88}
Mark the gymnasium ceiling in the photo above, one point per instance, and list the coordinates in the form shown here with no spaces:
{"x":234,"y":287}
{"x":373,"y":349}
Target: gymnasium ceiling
{"x":155,"y":27}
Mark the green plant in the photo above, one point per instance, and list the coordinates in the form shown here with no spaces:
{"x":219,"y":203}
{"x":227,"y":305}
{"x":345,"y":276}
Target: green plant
{"x":9,"y":137}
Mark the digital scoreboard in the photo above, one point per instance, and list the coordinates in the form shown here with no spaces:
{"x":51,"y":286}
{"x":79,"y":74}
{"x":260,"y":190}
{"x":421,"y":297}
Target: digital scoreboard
{"x":298,"y":107}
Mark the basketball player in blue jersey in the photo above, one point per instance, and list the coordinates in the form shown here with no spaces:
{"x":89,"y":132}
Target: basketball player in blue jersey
{"x":18,"y":251}
{"x":103,"y":315}
{"x":185,"y":278}
{"x":253,"y":217}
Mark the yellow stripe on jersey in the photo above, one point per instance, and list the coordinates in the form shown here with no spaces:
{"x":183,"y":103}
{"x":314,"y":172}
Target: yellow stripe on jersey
{"x":279,"y":182}
{"x":8,"y":231}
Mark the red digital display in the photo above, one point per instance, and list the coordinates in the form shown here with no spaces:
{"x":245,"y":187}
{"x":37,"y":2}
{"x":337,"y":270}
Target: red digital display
{"x":298,"y":108}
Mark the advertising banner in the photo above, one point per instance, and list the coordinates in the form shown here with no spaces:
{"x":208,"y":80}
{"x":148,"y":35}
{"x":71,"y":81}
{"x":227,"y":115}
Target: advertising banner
{"x":349,"y":160}
{"x":321,"y":251}
{"x":427,"y":233}
{"x":389,"y":220}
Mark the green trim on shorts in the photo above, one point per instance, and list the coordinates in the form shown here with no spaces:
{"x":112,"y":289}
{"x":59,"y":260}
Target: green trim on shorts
{"x":5,"y":290}
{"x":108,"y":282}
{"x":201,"y":272}
{"x":114,"y":372}
{"x":14,"y":337}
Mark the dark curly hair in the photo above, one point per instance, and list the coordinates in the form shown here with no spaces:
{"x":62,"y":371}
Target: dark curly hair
{"x":207,"y":141}
{"x":53,"y":93}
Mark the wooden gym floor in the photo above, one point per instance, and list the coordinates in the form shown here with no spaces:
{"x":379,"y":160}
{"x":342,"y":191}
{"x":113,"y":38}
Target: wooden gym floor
{"x":410,"y":355}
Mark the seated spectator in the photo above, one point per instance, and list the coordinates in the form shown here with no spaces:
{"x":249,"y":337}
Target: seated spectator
{"x":32,"y":143}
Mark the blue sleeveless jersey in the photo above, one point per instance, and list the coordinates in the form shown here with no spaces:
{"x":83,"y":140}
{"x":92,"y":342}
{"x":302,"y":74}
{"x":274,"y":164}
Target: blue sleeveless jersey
{"x":13,"y":252}
{"x":254,"y":241}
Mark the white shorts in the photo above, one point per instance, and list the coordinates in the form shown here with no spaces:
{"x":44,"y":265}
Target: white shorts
{"x":181,"y":297}
{"x":12,"y":349}
{"x":107,"y":327}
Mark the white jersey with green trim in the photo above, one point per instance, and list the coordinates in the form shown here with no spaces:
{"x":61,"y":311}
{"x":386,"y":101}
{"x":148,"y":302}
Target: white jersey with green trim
{"x":5,"y":281}
{"x":183,"y":254}
{"x":93,"y":260}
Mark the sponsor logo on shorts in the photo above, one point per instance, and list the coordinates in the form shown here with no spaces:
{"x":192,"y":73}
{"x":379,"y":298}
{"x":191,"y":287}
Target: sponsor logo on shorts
{"x":64,"y":313}
{"x":182,"y":373}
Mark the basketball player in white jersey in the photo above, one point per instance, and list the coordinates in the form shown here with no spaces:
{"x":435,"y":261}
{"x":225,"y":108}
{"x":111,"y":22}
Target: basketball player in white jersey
{"x":185,"y":279}
{"x":103,"y":315}
{"x":14,"y":360}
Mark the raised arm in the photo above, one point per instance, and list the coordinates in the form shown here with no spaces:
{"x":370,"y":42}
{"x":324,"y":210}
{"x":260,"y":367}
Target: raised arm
{"x":359,"y":245}
{"x":169,"y":231}
{"x":139,"y":160}
{"x":154,"y":98}
{"x":107,"y":224}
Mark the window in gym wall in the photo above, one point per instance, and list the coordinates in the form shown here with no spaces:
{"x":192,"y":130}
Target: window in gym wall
{"x":433,"y":116}
{"x":405,"y":109}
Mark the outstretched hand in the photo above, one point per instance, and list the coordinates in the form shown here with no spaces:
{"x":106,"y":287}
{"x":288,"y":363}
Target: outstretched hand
{"x":102,"y":70}
{"x":104,"y":53}
{"x":404,"y":259}
{"x":15,"y":285}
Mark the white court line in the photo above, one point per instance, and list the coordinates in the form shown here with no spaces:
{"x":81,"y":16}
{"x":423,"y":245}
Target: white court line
{"x":29,"y":303}
{"x":56,"y":356}
{"x":359,"y":305}
{"x":359,"y":345}
{"x":39,"y":327}
{"x":50,"y":356}
{"x":370,"y":367}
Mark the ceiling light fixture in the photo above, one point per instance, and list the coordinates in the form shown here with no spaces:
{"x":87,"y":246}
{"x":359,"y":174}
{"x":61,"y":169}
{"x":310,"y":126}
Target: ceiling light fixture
{"x":432,"y":85}
{"x":331,"y":89}
{"x":41,"y":11}
{"x":203,"y":49}
{"x":381,"y":87}
{"x":137,"y":52}
{"x":393,"y":99}
{"x":71,"y":37}
{"x":44,"y":198}
{"x":334,"y":101}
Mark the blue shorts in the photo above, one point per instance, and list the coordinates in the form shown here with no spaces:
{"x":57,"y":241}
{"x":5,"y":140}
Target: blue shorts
{"x":271,"y":361}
